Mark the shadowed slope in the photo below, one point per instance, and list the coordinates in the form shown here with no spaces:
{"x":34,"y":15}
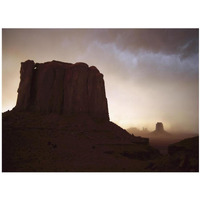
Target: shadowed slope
{"x":35,"y":142}
{"x":183,"y":156}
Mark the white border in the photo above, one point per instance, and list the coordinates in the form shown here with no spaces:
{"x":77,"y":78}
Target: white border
{"x":99,"y":14}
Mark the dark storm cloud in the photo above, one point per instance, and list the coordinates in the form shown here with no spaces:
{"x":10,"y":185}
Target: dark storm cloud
{"x":184,"y":42}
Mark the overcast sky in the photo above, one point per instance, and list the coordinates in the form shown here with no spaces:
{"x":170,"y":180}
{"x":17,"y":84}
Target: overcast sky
{"x":150,"y":75}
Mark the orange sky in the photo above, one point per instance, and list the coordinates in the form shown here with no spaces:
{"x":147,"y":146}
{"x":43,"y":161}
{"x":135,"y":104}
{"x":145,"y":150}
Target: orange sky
{"x":150,"y":75}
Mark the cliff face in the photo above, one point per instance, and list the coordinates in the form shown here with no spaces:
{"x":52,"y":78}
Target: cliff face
{"x":62,"y":88}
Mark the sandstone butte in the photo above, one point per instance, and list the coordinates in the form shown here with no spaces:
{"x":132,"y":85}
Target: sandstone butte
{"x":62,"y":88}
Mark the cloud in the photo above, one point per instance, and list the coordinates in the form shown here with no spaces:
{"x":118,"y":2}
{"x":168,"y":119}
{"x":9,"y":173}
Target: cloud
{"x":183,"y":42}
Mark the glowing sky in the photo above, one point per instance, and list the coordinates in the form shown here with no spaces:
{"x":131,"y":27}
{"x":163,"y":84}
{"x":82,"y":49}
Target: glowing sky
{"x":150,"y":75}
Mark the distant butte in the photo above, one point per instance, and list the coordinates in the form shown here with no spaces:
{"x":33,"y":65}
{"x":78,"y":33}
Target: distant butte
{"x":159,"y":130}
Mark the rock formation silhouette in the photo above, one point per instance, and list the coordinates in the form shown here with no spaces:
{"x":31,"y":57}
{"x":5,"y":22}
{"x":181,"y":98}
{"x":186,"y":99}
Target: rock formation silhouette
{"x":159,"y":130}
{"x":58,"y":87}
{"x":159,"y":127}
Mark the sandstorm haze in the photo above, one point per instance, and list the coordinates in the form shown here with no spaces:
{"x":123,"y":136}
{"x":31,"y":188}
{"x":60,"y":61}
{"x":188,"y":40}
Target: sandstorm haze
{"x":150,"y":75}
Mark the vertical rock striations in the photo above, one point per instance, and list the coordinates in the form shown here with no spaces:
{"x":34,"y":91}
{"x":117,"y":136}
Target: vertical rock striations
{"x":24,"y":90}
{"x":62,"y":88}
